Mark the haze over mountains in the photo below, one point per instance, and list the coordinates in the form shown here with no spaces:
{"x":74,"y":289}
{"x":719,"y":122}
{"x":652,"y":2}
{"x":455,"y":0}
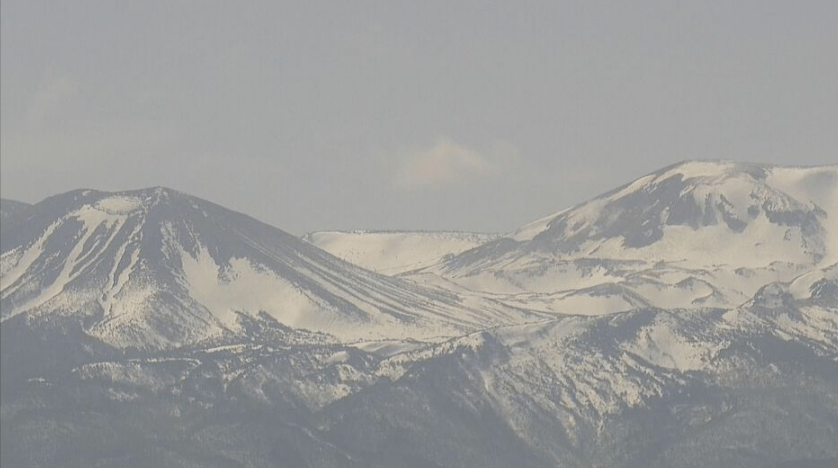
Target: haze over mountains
{"x":688,"y":318}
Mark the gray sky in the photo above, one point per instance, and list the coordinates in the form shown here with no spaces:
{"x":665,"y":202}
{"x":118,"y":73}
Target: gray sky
{"x":405,"y":115}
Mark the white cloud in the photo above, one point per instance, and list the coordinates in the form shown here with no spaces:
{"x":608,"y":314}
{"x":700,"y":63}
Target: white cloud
{"x":443,"y":163}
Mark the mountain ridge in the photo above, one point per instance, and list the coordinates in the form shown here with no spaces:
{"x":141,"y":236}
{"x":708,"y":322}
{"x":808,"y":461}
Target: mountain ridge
{"x":730,"y":227}
{"x":128,"y":257}
{"x":11,"y":209}
{"x":543,"y":350}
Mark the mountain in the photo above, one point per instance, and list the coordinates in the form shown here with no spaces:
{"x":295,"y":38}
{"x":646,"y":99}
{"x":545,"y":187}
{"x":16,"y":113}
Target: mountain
{"x":11,"y":209}
{"x":159,"y":269}
{"x":394,"y":252}
{"x":748,"y":387}
{"x":696,"y":234}
{"x":688,"y":319}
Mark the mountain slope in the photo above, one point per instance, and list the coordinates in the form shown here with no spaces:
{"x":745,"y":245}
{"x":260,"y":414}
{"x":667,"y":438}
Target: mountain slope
{"x":641,"y":388}
{"x":748,"y":387}
{"x":691,"y":235}
{"x":11,"y":209}
{"x":159,"y":269}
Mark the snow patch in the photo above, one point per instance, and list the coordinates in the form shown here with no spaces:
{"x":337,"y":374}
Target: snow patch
{"x":119,"y":205}
{"x":243,"y":287}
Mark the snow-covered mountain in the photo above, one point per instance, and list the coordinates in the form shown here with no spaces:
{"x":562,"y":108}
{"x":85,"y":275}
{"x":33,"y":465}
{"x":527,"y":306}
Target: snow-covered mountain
{"x":696,"y":234}
{"x":753,"y":387}
{"x":394,"y":252}
{"x":687,"y":319}
{"x":160,"y":269}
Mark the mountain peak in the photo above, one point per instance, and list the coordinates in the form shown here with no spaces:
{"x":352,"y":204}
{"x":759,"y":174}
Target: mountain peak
{"x":693,"y":168}
{"x":146,"y":198}
{"x":696,"y":214}
{"x":157,"y":268}
{"x":696,"y":194}
{"x":113,"y":203}
{"x":9,"y":208}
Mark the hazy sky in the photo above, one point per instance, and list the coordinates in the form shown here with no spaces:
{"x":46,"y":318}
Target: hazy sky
{"x":402,"y":115}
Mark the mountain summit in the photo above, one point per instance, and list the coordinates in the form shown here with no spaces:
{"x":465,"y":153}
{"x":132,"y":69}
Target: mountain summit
{"x":157,"y":268}
{"x":694,"y":211}
{"x":701,"y":233}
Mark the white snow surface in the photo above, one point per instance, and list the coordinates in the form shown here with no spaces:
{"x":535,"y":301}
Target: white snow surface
{"x":242,"y":287}
{"x":394,"y":252}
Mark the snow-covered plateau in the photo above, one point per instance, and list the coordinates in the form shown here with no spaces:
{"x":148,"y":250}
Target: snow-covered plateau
{"x":395,"y":252}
